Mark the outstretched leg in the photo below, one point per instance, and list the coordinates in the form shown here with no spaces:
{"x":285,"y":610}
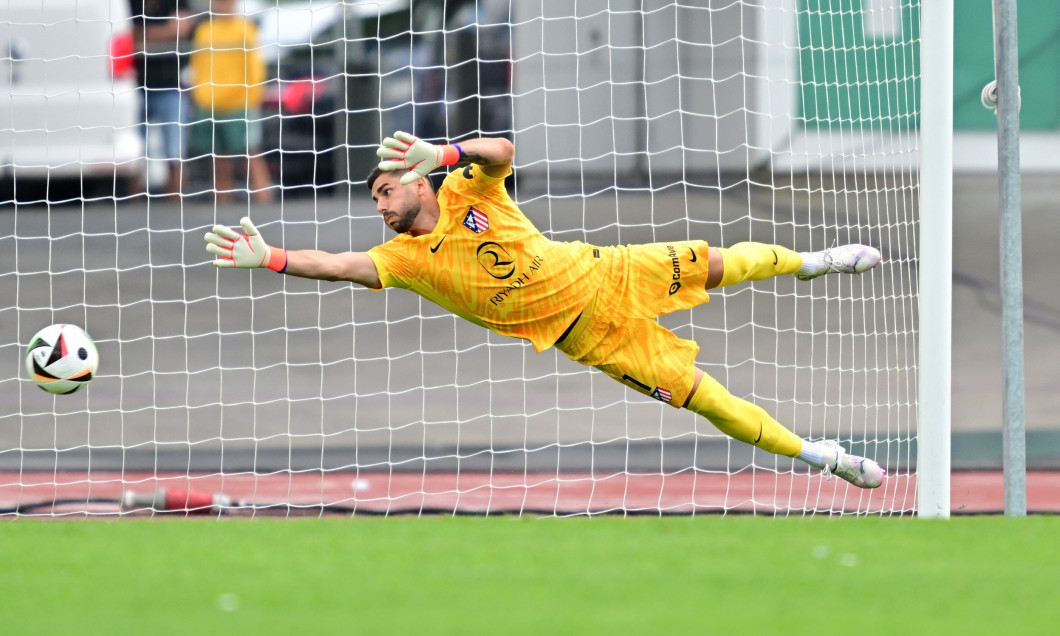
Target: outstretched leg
{"x":757,"y":261}
{"x":750,"y":423}
{"x":740,"y":419}
{"x":750,"y":261}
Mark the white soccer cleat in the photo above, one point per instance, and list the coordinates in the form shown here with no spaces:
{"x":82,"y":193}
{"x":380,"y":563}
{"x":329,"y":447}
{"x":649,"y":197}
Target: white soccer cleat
{"x":860,"y":471}
{"x":843,"y":259}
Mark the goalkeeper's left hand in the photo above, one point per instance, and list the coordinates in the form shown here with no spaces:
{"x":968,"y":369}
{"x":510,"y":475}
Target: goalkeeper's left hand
{"x":405,"y":151}
{"x":246,"y":251}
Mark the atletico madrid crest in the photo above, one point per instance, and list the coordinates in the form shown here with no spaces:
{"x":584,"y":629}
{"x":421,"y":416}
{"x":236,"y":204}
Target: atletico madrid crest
{"x":661,"y":394}
{"x":476,"y":221}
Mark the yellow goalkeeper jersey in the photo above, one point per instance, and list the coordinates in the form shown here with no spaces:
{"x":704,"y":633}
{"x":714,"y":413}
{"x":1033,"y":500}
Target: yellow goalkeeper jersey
{"x":487,"y":263}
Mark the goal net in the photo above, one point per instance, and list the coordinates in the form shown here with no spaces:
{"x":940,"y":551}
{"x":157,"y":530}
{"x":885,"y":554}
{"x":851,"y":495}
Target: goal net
{"x":784,"y":121}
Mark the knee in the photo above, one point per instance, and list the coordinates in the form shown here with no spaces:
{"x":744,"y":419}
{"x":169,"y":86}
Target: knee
{"x":715,"y":268}
{"x":709,"y":398}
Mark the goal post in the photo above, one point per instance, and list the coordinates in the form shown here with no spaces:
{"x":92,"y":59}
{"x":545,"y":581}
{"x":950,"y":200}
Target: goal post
{"x":806,"y":123}
{"x":935,"y":260}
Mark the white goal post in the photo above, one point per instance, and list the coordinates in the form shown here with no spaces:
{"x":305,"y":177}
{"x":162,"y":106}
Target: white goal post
{"x":800,"y":122}
{"x":936,"y":264}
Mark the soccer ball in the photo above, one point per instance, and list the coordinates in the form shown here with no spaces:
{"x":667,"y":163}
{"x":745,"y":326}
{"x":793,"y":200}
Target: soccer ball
{"x":61,"y":358}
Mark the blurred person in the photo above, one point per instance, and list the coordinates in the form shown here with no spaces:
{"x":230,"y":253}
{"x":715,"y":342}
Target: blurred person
{"x":160,"y":27}
{"x":227,"y":86}
{"x":471,"y":250}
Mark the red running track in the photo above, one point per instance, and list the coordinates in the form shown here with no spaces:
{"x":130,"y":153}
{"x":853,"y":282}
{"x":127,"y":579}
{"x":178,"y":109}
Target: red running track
{"x":98,"y":493}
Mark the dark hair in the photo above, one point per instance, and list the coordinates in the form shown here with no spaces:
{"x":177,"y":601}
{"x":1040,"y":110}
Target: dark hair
{"x":376,"y":173}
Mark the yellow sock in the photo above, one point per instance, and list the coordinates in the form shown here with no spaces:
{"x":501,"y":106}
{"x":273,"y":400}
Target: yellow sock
{"x":742,"y":420}
{"x":756,"y":261}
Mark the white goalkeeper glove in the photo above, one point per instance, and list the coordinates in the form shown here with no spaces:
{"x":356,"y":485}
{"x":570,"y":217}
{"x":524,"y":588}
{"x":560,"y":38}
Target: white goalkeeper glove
{"x":246,"y":251}
{"x":405,"y":151}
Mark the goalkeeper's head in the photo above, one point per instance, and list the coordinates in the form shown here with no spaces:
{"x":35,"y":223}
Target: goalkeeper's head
{"x":400,"y":205}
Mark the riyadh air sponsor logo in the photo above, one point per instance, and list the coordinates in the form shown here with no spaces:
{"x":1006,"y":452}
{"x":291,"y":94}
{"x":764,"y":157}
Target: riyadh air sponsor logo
{"x":675,"y":262}
{"x":500,"y":265}
{"x":476,"y":221}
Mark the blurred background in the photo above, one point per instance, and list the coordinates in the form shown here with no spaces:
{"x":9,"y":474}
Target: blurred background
{"x":633,"y":121}
{"x":337,"y":74}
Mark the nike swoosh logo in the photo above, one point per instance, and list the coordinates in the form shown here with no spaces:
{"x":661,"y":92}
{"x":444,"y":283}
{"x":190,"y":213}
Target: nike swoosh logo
{"x":759,"y":433}
{"x":775,"y":259}
{"x":693,"y":254}
{"x":435,"y":248}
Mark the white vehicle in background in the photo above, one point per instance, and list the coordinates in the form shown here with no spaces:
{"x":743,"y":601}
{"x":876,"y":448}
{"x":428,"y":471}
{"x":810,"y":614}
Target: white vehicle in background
{"x":69,"y":104}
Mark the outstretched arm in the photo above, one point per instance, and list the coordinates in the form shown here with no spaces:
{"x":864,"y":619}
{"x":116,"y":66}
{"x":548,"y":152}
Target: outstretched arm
{"x":355,"y":267}
{"x":249,"y":251}
{"x":405,"y":151}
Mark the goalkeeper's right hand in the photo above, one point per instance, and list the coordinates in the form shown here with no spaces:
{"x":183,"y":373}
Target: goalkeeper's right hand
{"x":246,"y":251}
{"x":405,"y":151}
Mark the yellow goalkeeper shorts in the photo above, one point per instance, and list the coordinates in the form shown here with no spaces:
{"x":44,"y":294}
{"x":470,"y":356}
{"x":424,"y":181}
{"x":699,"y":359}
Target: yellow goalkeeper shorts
{"x":618,"y":332}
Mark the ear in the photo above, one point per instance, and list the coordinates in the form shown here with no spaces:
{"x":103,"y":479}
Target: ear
{"x":423,"y":187}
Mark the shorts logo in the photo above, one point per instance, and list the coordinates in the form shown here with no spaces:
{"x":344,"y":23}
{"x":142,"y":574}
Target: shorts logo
{"x":476,"y":221}
{"x":661,"y":394}
{"x":675,"y":263}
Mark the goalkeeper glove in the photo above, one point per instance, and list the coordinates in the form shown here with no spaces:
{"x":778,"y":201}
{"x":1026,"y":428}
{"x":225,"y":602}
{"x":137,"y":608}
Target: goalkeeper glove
{"x":245,"y":251}
{"x":404,"y":151}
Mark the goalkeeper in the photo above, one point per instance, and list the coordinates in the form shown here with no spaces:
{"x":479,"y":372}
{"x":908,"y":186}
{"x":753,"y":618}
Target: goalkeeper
{"x":469,"y":249}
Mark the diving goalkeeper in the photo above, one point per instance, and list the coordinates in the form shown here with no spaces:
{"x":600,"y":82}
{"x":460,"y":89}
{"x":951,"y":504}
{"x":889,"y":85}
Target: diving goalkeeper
{"x":468,"y":248}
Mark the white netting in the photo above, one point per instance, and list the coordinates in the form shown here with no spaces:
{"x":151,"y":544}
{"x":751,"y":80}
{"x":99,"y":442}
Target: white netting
{"x":786,"y":121}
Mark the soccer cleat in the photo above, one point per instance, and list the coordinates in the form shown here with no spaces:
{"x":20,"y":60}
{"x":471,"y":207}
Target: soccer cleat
{"x":860,"y":471}
{"x":844,"y":259}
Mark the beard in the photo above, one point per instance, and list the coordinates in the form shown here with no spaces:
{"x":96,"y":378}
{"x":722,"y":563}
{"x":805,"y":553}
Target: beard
{"x":406,"y":217}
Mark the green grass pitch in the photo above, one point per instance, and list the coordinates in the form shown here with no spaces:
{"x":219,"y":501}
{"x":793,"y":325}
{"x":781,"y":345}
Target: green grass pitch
{"x":608,"y":575}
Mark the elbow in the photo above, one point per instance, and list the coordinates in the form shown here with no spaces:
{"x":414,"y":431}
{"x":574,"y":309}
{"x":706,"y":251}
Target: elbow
{"x":506,"y":150}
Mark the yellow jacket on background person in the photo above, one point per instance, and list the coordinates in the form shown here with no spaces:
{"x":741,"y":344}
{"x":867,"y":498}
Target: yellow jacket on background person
{"x":227,"y":69}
